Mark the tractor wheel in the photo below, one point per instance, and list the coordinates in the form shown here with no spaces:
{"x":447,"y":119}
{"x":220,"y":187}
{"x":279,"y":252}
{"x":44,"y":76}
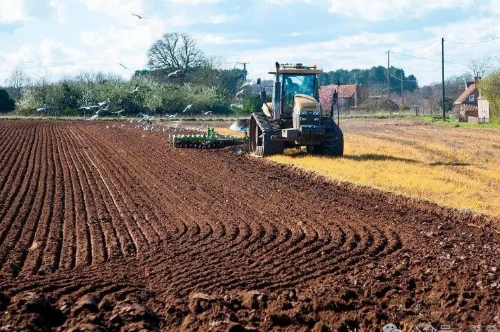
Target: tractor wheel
{"x":260,"y":142}
{"x":316,"y":149}
{"x":334,"y":142}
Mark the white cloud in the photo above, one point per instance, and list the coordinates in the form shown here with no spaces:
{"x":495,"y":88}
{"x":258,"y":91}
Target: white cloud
{"x":12,"y":11}
{"x":194,"y":2}
{"x":47,"y":54}
{"x":224,"y":40}
{"x":91,"y":38}
{"x":121,"y":9}
{"x":185,"y":19}
{"x":286,"y":2}
{"x":382,"y":10}
{"x":223,"y":19}
{"x":60,"y":7}
{"x":50,"y":51}
{"x":365,"y":50}
{"x":128,"y":46}
{"x":391,"y":9}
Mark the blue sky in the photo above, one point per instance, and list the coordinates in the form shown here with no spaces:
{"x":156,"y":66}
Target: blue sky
{"x":57,"y":37}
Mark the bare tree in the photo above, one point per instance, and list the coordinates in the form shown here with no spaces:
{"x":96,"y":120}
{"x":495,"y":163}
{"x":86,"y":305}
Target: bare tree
{"x":376,"y":90}
{"x":15,"y":83}
{"x":175,"y":51}
{"x":481,"y":66}
{"x":412,"y":97}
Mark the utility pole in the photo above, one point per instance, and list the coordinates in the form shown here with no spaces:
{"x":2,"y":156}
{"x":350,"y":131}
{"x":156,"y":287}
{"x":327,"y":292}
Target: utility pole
{"x":442,"y":62}
{"x":388,"y":75}
{"x":402,"y":101}
{"x":244,"y":69}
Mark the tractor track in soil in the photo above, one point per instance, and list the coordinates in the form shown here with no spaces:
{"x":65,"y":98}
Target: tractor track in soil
{"x":211,"y":240}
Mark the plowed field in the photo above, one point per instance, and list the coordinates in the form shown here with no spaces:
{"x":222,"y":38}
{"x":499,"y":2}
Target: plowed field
{"x":105,"y":227}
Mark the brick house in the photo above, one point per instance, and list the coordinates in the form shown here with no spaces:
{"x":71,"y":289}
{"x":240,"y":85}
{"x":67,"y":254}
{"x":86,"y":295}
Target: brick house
{"x":466,"y":104}
{"x":350,"y":95}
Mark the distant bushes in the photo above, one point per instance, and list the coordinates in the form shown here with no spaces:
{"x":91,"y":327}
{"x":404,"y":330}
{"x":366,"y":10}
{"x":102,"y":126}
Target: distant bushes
{"x":139,"y":95}
{"x":7,"y":104}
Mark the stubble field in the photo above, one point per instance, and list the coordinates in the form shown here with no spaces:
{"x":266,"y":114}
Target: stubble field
{"x":451,"y":166}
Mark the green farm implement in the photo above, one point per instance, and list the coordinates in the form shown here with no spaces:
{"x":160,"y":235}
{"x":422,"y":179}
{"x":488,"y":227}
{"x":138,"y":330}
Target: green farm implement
{"x":208,"y":140}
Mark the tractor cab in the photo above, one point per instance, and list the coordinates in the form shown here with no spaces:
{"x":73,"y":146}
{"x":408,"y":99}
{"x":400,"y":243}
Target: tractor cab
{"x":290,"y":81}
{"x":294,"y":84}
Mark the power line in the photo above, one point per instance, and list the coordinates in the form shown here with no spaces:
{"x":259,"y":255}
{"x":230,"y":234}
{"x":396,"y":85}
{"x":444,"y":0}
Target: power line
{"x":474,"y":43}
{"x":434,"y":60}
{"x":432,"y":49}
{"x":405,"y":80}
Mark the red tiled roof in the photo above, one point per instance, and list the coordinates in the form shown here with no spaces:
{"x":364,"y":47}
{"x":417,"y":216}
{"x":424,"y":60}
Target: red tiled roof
{"x":345,"y":91}
{"x":463,"y":97}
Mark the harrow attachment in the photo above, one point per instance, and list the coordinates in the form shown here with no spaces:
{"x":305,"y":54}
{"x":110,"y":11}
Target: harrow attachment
{"x":208,"y":140}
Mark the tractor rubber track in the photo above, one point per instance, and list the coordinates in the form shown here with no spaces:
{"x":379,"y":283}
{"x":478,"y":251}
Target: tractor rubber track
{"x":106,"y":227}
{"x":269,"y":129}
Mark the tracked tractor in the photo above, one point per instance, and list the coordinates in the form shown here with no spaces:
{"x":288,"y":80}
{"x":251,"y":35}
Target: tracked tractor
{"x":294,"y":117}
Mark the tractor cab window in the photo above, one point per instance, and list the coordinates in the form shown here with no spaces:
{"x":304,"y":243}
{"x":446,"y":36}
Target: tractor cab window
{"x":296,"y":84}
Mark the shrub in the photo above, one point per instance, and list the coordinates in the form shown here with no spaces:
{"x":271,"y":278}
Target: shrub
{"x":7,"y":104}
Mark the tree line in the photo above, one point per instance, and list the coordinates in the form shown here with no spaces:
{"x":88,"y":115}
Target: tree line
{"x":376,"y":76}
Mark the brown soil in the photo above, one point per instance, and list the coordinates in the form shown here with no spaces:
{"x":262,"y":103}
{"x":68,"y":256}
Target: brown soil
{"x":106,"y":228}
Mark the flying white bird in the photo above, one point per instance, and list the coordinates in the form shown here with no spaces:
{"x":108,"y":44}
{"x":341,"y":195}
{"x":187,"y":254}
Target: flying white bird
{"x":246,"y":85}
{"x":240,"y":106}
{"x":135,"y":90}
{"x":43,"y":109}
{"x":188,"y":107}
{"x":88,"y":108}
{"x":207,"y":113}
{"x":174,"y":74}
{"x":145,"y":117}
{"x":121,"y":64}
{"x":104,"y":103}
{"x":138,"y":16}
{"x":240,"y":93}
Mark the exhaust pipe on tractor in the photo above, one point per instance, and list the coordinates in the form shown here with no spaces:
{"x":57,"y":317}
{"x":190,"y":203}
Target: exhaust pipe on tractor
{"x":277,"y":94}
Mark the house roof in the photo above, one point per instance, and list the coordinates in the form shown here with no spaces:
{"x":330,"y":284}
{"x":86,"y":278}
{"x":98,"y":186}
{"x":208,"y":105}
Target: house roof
{"x":463,"y":97}
{"x":345,"y":91}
